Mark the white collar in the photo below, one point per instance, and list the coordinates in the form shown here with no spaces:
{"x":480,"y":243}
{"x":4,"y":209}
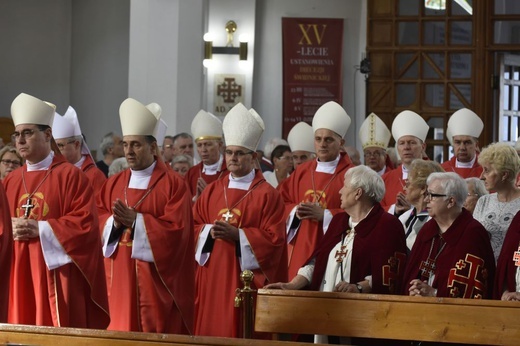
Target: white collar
{"x":241,"y":183}
{"x":459,"y":164}
{"x":405,"y":172}
{"x":327,"y":167}
{"x":43,"y":165}
{"x":140,"y":179}
{"x":214,"y":168}
{"x":80,"y":162}
{"x":381,"y":172}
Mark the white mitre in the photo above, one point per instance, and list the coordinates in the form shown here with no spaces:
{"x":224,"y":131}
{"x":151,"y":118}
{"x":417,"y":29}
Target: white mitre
{"x":465,"y":122}
{"x":331,"y":116}
{"x":206,"y":126}
{"x":243,"y":128}
{"x":301,"y":137}
{"x":374,"y":133}
{"x":27,"y":109}
{"x":408,"y":123}
{"x":67,"y":126}
{"x":137,"y":119}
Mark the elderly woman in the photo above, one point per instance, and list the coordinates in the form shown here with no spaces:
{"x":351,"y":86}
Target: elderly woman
{"x":182,"y":163}
{"x":476,"y":189}
{"x":495,"y":211}
{"x":363,"y":250}
{"x":415,"y":189}
{"x":355,"y":253}
{"x":10,"y":160}
{"x":282,"y":160}
{"x":452,"y":255}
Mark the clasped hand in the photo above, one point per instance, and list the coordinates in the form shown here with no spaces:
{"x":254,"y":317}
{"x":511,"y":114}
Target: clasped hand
{"x":312,"y":211}
{"x":24,"y":229}
{"x":225,"y":231}
{"x":123,"y":215}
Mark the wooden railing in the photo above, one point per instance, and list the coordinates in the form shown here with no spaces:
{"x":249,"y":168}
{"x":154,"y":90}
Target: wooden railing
{"x":484,"y":322}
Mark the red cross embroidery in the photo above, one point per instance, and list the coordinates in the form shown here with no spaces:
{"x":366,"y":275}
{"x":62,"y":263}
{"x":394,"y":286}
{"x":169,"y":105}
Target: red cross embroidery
{"x":472,"y":286}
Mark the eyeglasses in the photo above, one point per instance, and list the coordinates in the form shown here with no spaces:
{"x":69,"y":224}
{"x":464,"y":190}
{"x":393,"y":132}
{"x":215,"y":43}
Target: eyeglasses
{"x":238,"y":153}
{"x":374,"y":154}
{"x":288,"y":158}
{"x":432,"y":195}
{"x":11,"y":162}
{"x":61,"y":146}
{"x":168,"y":146}
{"x":27,"y":133}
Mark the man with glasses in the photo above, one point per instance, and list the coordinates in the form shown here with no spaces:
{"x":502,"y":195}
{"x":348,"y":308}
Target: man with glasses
{"x":239,"y":225}
{"x":207,"y":131}
{"x":375,"y":136}
{"x":69,"y":140}
{"x":57,"y":276}
{"x":311,"y":192}
{"x":409,"y":131}
{"x":464,"y":128}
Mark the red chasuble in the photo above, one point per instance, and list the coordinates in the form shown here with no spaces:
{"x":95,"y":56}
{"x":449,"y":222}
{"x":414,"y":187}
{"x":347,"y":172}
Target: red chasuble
{"x":299,"y":188}
{"x":379,"y":249}
{"x":260,"y":215}
{"x":195,"y":172}
{"x":73,"y":295}
{"x":96,"y":177}
{"x":475,"y":171}
{"x":464,"y":268}
{"x":152,"y":297}
{"x":6,"y":250}
{"x":509,"y":259}
{"x":394,"y":184}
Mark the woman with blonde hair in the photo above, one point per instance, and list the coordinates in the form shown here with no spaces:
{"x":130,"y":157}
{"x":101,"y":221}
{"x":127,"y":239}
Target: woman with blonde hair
{"x":496,"y":210}
{"x":10,"y":160}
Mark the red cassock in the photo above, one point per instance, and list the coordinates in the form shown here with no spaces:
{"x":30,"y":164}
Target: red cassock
{"x":394,"y":184}
{"x":465,"y":266}
{"x":152,"y":296}
{"x":96,"y":177}
{"x":74,"y":294}
{"x":475,"y":171}
{"x":259,"y":213}
{"x":6,"y":251}
{"x":307,"y":185}
{"x":379,"y":250}
{"x":505,"y":278}
{"x":195,"y":172}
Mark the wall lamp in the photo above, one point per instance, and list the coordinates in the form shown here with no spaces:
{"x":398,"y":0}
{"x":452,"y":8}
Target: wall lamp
{"x":229,"y":49}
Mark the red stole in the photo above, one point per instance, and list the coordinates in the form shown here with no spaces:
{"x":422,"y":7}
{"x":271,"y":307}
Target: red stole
{"x":474,"y":171}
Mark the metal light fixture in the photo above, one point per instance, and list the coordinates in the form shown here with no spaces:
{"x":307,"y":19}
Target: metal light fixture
{"x":241,"y":51}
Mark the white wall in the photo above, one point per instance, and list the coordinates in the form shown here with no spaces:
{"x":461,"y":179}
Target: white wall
{"x":166,"y":58}
{"x":268,"y":93}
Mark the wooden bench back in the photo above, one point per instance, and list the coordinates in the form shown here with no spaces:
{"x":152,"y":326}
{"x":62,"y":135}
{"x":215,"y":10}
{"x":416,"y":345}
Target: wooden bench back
{"x":485,"y":322}
{"x":50,"y":336}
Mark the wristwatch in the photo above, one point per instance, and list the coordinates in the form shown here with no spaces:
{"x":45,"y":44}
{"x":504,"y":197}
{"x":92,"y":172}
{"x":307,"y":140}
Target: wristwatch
{"x":360,"y":288}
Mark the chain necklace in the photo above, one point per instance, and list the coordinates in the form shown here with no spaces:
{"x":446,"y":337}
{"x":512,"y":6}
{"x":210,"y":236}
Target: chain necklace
{"x":228,"y":214}
{"x":28,"y":204}
{"x":142,"y":198}
{"x":316,"y":197}
{"x":427,"y":268}
{"x":342,"y":252}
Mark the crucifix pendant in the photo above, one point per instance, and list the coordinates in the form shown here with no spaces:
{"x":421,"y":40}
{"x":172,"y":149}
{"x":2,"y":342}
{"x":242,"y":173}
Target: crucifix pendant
{"x":427,"y":268}
{"x":340,"y":254}
{"x":227,"y":216}
{"x":27,"y":206}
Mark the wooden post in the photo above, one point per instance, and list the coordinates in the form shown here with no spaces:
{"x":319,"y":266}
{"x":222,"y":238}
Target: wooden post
{"x":245,"y":298}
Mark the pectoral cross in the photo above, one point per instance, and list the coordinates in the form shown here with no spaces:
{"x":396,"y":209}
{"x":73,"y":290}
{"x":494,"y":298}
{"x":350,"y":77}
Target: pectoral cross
{"x":516,"y":257}
{"x":227,"y":216}
{"x":427,"y":268}
{"x":27,"y":206}
{"x":340,"y":254}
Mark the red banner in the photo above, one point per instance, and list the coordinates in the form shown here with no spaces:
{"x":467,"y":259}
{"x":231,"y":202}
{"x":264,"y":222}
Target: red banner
{"x":312,"y":67}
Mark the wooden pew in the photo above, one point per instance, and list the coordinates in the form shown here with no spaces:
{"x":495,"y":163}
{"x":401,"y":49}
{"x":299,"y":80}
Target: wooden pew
{"x":49,"y":336}
{"x":485,"y":322}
